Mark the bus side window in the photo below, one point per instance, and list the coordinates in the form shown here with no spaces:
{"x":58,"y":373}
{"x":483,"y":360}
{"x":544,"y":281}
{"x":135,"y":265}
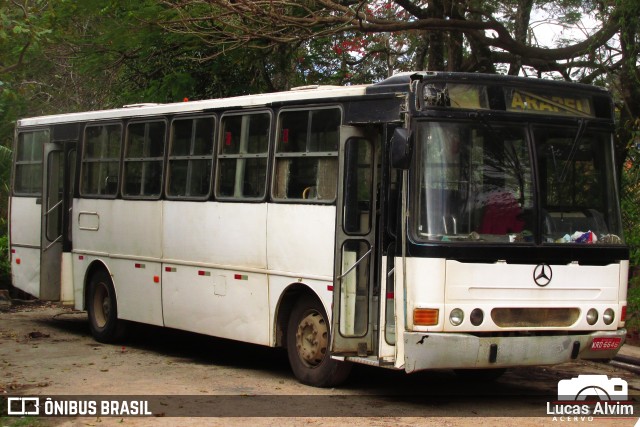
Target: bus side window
{"x":242,"y":156}
{"x":28,"y":169}
{"x":190,"y":158}
{"x":144,"y":159}
{"x":307,"y":155}
{"x":101,"y":160}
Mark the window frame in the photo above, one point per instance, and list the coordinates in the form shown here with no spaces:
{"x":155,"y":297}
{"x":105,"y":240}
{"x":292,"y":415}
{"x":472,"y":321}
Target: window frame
{"x":219,"y":156}
{"x":304,"y":154}
{"x":163,"y":160}
{"x":31,"y":162}
{"x":190,"y":157}
{"x":83,"y":161}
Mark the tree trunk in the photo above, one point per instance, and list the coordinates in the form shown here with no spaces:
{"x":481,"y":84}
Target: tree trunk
{"x":522,"y":19}
{"x":435,"y":55}
{"x":455,"y":48}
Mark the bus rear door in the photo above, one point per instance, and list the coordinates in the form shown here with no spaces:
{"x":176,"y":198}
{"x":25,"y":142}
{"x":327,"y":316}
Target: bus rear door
{"x":57,"y":179}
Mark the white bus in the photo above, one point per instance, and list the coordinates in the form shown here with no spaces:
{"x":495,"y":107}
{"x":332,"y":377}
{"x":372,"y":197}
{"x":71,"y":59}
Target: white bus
{"x":429,"y":221}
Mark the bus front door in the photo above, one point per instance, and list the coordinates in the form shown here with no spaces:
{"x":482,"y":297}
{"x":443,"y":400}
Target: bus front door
{"x":58,"y":166}
{"x":354,"y":310}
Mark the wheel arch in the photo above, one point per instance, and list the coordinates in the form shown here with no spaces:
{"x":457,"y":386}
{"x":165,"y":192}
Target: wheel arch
{"x":94,"y":267}
{"x":286,"y":303}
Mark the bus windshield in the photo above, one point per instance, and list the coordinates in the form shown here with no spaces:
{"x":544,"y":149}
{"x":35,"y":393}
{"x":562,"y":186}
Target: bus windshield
{"x":476,"y":184}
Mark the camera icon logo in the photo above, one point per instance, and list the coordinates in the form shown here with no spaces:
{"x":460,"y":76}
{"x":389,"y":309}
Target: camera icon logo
{"x":592,"y":387}
{"x":23,"y":406}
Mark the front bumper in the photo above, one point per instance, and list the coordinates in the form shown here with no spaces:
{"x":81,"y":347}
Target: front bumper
{"x":465,"y":351}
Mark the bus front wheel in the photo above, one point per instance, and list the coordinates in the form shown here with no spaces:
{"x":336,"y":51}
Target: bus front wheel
{"x":308,"y":340}
{"x":103,"y":310}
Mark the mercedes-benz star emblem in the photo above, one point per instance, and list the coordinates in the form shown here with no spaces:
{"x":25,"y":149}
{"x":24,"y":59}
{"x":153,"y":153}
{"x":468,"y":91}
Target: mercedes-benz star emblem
{"x":542,"y":275}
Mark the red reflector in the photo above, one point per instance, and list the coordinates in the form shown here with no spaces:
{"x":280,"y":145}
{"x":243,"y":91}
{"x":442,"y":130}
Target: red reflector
{"x":390,"y":295}
{"x":13,"y":251}
{"x":227,"y":138}
{"x":330,"y":288}
{"x":18,"y":261}
{"x":156,"y":279}
{"x":138,"y":265}
{"x":201,"y":273}
{"x":623,"y":315}
{"x":605,"y":343}
{"x":80,"y":257}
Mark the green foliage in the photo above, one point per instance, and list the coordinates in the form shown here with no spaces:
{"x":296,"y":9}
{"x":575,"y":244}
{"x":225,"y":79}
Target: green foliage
{"x":630,"y":198}
{"x":5,"y":265}
{"x":14,"y":421}
{"x":630,"y":204}
{"x":633,"y":305}
{"x":5,"y":176}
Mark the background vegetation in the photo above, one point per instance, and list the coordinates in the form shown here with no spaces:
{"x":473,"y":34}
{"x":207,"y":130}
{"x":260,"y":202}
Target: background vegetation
{"x":61,"y":56}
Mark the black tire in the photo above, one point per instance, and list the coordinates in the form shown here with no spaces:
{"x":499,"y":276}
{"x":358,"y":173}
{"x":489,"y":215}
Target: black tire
{"x":308,"y":340}
{"x":102,"y":308}
{"x":480,"y":375}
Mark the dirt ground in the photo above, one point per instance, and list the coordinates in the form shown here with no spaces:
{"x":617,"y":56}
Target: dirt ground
{"x":47,"y":350}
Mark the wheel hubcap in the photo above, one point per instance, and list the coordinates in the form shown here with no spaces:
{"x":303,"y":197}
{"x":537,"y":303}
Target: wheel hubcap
{"x":101,"y":305}
{"x":312,"y":339}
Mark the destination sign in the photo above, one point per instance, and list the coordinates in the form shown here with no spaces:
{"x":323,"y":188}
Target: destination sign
{"x":529,"y":101}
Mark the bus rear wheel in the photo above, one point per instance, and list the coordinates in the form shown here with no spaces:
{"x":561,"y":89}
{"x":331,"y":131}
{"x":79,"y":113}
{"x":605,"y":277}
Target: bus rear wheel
{"x":103,"y":309}
{"x":308,"y":340}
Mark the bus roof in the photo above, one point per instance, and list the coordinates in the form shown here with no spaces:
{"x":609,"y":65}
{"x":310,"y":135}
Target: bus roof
{"x":309,"y":93}
{"x":398,"y":83}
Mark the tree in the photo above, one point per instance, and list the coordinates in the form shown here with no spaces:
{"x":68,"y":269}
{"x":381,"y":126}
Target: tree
{"x":399,"y":35}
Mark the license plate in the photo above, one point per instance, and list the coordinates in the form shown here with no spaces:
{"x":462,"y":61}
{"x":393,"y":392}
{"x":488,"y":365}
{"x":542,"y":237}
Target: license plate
{"x":605,"y":343}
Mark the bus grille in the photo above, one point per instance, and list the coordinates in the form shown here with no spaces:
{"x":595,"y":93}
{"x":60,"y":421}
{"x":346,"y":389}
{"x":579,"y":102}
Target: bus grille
{"x":534,"y":317}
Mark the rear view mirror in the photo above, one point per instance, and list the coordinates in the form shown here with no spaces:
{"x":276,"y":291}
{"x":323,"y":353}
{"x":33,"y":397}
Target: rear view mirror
{"x":401,"y":149}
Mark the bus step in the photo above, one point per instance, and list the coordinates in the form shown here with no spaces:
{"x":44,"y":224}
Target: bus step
{"x":371,"y":361}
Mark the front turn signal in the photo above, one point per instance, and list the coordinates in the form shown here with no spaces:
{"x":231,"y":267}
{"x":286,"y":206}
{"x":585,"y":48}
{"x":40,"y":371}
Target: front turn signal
{"x":425,"y":316}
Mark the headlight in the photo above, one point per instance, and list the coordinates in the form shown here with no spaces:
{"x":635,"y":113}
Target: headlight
{"x":608,"y":316}
{"x":456,"y":316}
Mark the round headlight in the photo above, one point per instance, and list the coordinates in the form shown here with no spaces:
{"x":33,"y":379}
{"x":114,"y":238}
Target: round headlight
{"x":476,"y":317}
{"x":608,"y":316}
{"x":592,"y":316}
{"x":456,"y":316}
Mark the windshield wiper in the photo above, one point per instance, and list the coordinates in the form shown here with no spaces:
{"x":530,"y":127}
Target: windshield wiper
{"x":574,"y":148}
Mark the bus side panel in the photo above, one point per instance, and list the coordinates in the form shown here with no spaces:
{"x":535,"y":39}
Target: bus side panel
{"x":138,"y":290}
{"x":301,"y":239}
{"x":229,"y":234}
{"x":25,"y":220}
{"x":222,"y":303}
{"x":279,"y":284}
{"x":125,"y":236}
{"x":225,"y":294}
{"x":300,"y":249}
{"x":124,"y":228}
{"x":25,"y":270}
